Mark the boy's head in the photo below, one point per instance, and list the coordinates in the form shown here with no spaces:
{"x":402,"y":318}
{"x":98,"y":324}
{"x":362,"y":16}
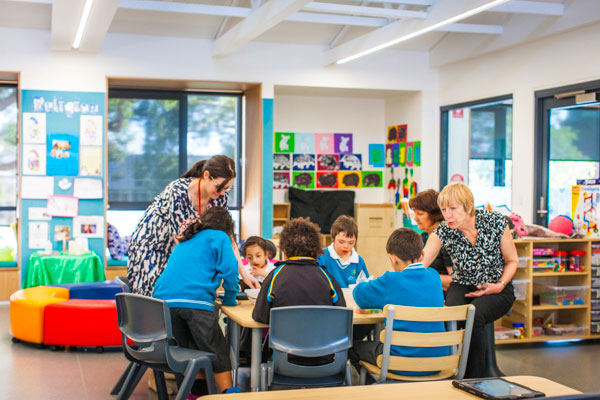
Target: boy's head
{"x":404,"y":247}
{"x":254,"y":250}
{"x":344,"y":233}
{"x":300,"y":238}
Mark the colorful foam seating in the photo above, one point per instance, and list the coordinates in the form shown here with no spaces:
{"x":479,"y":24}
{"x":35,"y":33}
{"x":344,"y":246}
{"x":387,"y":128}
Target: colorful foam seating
{"x":27,"y":311}
{"x":105,"y":290}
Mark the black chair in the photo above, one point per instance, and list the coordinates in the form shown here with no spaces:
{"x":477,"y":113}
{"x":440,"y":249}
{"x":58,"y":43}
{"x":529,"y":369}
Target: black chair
{"x":146,"y":322}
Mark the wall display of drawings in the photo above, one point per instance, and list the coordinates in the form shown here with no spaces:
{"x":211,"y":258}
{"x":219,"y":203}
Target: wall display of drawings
{"x":322,"y":161}
{"x":62,"y":139}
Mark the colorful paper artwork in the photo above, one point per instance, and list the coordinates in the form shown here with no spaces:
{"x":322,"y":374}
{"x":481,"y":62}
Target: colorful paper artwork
{"x":349,"y":179}
{"x":389,"y":150}
{"x":402,"y":154}
{"x":62,"y":154}
{"x":376,"y":155}
{"x":304,"y":143}
{"x":90,"y":130}
{"x":38,"y":235}
{"x":62,"y":206}
{"x":88,"y":226}
{"x":327,"y":180}
{"x":328,"y":162}
{"x":342,"y":143}
{"x":34,"y":128}
{"x":303,"y":180}
{"x":284,"y":142}
{"x":303,"y":162}
{"x":282,"y":162}
{"x":351,"y":162}
{"x":395,"y":154}
{"x":324,"y":143}
{"x":281,"y":180}
{"x":34,"y":159}
{"x":392,"y":134}
{"x":402,"y":132}
{"x":417,"y":154}
{"x":409,"y":154}
{"x":91,"y":161}
{"x":372,"y":179}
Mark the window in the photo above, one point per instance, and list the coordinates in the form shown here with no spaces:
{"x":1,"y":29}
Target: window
{"x":476,"y":149}
{"x":155,"y":136}
{"x":8,"y":165}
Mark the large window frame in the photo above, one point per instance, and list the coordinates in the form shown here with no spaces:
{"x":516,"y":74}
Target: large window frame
{"x":4,"y":208}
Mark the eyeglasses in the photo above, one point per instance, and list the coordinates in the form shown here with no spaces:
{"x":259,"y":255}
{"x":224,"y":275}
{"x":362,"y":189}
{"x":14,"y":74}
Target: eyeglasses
{"x":222,"y":189}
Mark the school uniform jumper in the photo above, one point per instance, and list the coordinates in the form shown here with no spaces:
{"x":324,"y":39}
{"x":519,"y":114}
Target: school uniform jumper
{"x":345,"y":272}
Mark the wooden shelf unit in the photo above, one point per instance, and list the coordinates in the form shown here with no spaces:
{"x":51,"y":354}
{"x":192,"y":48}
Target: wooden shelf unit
{"x":281,"y":215}
{"x":526,"y":312}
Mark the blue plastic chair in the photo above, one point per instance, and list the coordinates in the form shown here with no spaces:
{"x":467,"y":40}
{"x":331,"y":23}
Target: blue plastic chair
{"x":308,"y":331}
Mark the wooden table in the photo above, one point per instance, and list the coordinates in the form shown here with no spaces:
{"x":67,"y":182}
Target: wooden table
{"x":241,"y":316}
{"x":418,"y":391}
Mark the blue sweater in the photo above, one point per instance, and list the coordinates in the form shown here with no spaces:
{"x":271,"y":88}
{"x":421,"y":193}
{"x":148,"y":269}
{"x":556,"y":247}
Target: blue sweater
{"x":195,"y":270}
{"x":414,"y":286}
{"x":345,"y":275}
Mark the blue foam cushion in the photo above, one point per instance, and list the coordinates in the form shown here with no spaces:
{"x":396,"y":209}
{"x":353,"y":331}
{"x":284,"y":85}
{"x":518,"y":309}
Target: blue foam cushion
{"x":93,"y":290}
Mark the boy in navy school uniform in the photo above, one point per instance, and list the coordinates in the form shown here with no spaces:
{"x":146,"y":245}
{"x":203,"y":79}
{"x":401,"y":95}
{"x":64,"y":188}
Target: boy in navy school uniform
{"x":410,"y":284}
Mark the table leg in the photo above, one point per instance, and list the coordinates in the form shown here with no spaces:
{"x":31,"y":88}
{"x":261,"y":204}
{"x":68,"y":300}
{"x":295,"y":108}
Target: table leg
{"x":233,"y":337}
{"x":256,"y":359}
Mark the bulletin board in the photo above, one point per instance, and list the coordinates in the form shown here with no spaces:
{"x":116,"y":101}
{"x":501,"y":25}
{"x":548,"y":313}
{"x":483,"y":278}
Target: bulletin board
{"x":62,"y":170}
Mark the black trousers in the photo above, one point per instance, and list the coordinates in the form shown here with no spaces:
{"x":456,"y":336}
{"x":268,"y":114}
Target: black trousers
{"x":488,"y":308}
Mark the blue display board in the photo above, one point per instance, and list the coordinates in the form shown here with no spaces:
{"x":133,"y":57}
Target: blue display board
{"x":62,"y":139}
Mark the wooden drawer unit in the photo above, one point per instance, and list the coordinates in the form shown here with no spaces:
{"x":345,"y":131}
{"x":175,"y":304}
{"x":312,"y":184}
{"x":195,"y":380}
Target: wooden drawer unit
{"x":374,"y":219}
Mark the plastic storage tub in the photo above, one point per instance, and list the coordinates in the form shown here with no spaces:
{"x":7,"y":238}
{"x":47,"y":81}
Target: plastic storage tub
{"x":596,"y":282}
{"x":544,"y":264}
{"x":523,"y":261}
{"x":520,"y":288}
{"x":561,"y":295}
{"x":563,"y":330}
{"x":595,"y":327}
{"x":502,"y":333}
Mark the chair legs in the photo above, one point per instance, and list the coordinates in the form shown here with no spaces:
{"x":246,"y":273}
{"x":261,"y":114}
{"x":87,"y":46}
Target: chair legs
{"x":190,"y":376}
{"x":348,"y":381}
{"x":117,"y":388}
{"x":161,"y":386}
{"x":491,"y":366}
{"x":363,"y":376}
{"x":135,"y":374}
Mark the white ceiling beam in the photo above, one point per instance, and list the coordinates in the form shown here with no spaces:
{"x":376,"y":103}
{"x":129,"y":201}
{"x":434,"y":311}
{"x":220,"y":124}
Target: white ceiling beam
{"x":65,"y":20}
{"x":101,"y":16}
{"x":260,"y":21}
{"x":337,"y":19}
{"x":405,"y":2}
{"x":185,"y":8}
{"x":360,"y":10}
{"x":390,"y":34}
{"x":472,"y":28}
{"x":531,"y":7}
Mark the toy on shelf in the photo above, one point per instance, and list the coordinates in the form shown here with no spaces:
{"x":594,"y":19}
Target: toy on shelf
{"x":561,"y":224}
{"x":575,"y":260}
{"x":562,"y":261}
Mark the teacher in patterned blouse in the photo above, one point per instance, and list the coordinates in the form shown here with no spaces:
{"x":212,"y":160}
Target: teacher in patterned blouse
{"x":484,"y":262}
{"x":204,"y":185}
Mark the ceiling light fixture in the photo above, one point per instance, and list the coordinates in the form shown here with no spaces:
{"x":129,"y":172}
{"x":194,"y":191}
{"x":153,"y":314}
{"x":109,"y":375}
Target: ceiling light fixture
{"x":87,"y":8}
{"x":420,"y":32}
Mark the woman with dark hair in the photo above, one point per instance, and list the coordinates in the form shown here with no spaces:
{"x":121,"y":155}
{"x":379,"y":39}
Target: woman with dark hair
{"x":204,"y":185}
{"x":428,"y":217}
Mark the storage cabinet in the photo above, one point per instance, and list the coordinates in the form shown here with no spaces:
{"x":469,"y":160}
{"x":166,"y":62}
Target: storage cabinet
{"x":281,"y":214}
{"x":375,"y":224}
{"x":565,"y":296}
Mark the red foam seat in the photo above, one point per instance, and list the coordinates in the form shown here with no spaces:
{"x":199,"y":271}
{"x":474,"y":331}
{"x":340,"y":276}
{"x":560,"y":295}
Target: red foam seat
{"x":81,"y":322}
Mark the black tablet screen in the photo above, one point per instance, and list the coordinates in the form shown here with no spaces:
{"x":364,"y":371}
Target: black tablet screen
{"x":500,"y":387}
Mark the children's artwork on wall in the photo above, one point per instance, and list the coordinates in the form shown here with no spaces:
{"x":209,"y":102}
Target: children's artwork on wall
{"x":351,"y":162}
{"x":402,"y":132}
{"x":303,"y":180}
{"x":349,"y":180}
{"x":395,"y":154}
{"x":34,"y":127}
{"x":281,"y":162}
{"x":62,"y":206}
{"x":372,"y":179}
{"x":388,"y":155}
{"x":90,"y":130}
{"x":417,"y":154}
{"x":392,"y":134}
{"x":304,"y":143}
{"x":88,"y":188}
{"x":37,"y":187}
{"x":327,"y":180}
{"x":409,"y":154}
{"x":342,"y":143}
{"x":62,"y":232}
{"x":402,"y":154}
{"x":376,"y":155}
{"x":328,"y":162}
{"x":88,"y":226}
{"x":38,"y":214}
{"x":284,"y":142}
{"x":91,"y":161}
{"x":324,"y":143}
{"x":63,"y":154}
{"x":281,"y":180}
{"x":64,"y":184}
{"x":38,"y":235}
{"x":303,"y":162}
{"x":34,"y":159}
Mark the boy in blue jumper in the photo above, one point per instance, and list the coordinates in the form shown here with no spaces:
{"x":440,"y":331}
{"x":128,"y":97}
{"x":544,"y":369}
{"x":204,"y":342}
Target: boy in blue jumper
{"x":202,"y":259}
{"x":339,"y":258}
{"x":409,"y":285}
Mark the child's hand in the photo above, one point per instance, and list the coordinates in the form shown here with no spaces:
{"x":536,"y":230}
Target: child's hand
{"x":256,"y":271}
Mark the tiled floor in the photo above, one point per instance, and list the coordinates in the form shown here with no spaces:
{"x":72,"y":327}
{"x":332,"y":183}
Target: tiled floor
{"x":30,"y":373}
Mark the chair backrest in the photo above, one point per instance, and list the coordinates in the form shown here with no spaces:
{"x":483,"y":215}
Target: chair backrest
{"x":452,"y":365}
{"x":124,"y":283}
{"x":310,"y":331}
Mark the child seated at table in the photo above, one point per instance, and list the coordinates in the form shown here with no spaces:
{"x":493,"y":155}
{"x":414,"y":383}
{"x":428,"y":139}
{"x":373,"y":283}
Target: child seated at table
{"x":255,"y":251}
{"x":202,"y":259}
{"x":340,"y":258}
{"x":410,"y":284}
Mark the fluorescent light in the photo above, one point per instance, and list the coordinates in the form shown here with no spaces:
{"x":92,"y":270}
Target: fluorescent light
{"x":420,"y":32}
{"x":82,"y":23}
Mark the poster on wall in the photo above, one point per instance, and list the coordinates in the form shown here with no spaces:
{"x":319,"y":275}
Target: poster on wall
{"x":328,"y":162}
{"x":284,"y":142}
{"x":281,"y":162}
{"x":396,"y":154}
{"x":402,"y":133}
{"x":342,"y":143}
{"x":62,"y":206}
{"x":372,"y":179}
{"x":376,"y":155}
{"x":417,"y":154}
{"x":392,"y":134}
{"x":88,"y":188}
{"x":62,"y":154}
{"x":409,"y":154}
{"x":402,"y":154}
{"x":281,"y":180}
{"x":34,"y":128}
{"x":91,"y":161}
{"x":303,"y":180}
{"x":349,"y":180}
{"x":38,"y":214}
{"x":37,"y":187}
{"x":304,"y":143}
{"x":303,"y":162}
{"x":34,"y":159}
{"x":351,"y":162}
{"x":38,"y":235}
{"x":388,"y":154}
{"x":324,"y":143}
{"x":90,"y":130}
{"x":327,"y":180}
{"x":88,"y":226}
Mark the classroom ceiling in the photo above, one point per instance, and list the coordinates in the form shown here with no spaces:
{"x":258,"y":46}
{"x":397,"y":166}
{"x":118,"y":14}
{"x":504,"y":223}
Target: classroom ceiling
{"x":341,"y":27}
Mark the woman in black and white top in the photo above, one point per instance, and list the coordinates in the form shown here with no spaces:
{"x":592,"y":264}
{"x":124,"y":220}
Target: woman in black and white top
{"x":484,"y":262}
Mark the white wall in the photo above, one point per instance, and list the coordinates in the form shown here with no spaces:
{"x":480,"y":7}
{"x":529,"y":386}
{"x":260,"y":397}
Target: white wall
{"x":555,"y":61}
